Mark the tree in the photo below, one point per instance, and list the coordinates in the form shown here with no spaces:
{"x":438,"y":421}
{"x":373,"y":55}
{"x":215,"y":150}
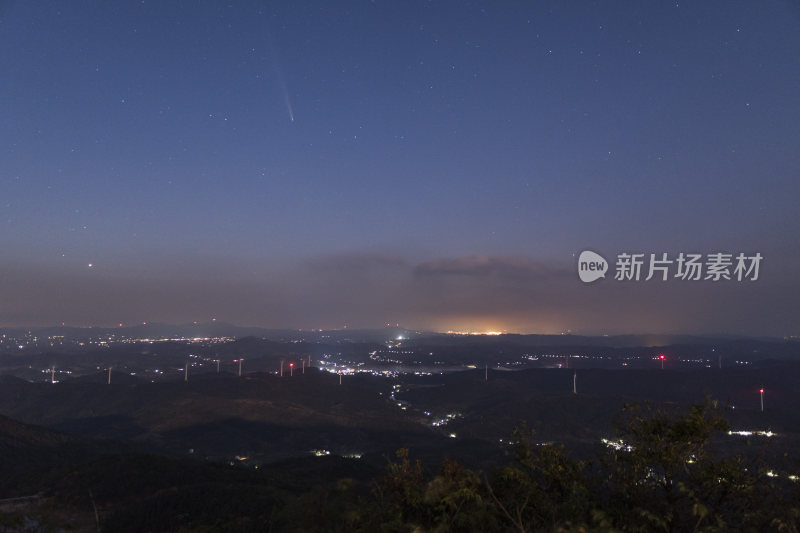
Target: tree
{"x":662,"y":476}
{"x":544,"y":490}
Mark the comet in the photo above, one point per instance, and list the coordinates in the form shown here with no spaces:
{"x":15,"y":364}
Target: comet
{"x":279,"y":77}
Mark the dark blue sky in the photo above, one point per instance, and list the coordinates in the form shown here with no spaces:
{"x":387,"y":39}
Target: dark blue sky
{"x":315,"y":164}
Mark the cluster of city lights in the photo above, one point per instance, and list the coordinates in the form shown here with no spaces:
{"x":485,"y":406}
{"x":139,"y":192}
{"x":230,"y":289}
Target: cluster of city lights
{"x":758,"y":433}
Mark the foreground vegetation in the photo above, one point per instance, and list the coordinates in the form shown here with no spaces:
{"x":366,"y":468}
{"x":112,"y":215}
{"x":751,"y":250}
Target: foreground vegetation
{"x":663,"y":474}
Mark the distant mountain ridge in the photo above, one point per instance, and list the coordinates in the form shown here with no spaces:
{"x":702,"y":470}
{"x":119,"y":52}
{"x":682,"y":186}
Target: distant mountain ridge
{"x":222,"y":329}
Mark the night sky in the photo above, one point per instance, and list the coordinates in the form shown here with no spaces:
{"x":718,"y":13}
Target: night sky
{"x":433,"y":164}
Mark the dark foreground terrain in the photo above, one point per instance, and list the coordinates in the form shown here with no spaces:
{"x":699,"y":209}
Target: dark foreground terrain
{"x":473,"y":450}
